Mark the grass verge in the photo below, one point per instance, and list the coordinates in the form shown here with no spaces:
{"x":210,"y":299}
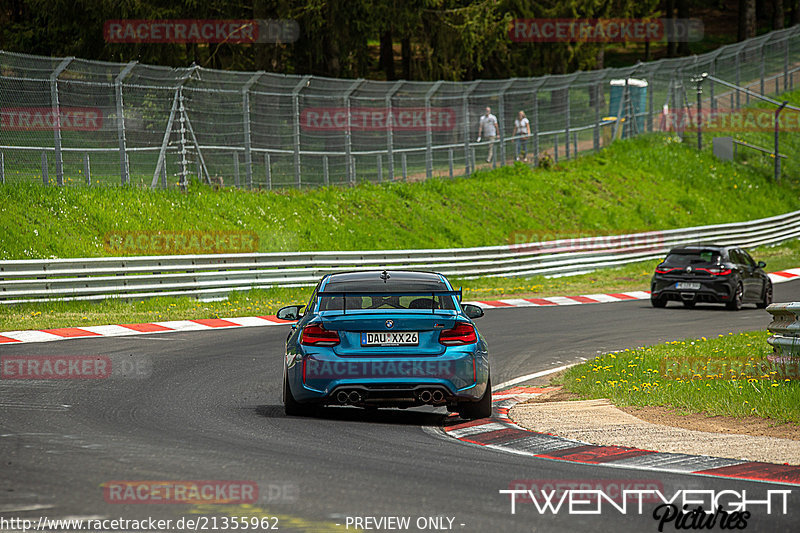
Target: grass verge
{"x":730,"y":375}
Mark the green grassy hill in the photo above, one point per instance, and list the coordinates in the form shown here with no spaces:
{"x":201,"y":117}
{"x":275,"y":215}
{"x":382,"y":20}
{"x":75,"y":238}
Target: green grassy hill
{"x":652,"y":182}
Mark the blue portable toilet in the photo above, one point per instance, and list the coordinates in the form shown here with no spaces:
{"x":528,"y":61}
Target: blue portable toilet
{"x":638,"y":95}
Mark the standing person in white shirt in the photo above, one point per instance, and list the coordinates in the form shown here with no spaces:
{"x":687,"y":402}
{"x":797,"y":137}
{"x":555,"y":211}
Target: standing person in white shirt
{"x":488,"y":126}
{"x":522,"y":127}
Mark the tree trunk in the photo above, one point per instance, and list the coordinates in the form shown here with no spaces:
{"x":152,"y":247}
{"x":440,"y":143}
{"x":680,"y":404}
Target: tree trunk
{"x":683,"y":14}
{"x":405,"y":50}
{"x":795,"y":12}
{"x":778,"y":15}
{"x":670,"y":14}
{"x":747,"y":19}
{"x":387,"y":54}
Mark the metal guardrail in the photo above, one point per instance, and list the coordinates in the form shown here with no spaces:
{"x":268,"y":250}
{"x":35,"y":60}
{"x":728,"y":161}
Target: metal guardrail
{"x":785,"y":329}
{"x":214,"y":276}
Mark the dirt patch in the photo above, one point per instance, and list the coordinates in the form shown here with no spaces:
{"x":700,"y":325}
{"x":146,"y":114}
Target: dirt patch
{"x":752,"y":425}
{"x":666,"y":416}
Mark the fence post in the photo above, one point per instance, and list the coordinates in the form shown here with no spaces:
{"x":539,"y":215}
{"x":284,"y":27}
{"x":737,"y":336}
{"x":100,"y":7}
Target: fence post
{"x":555,"y":145}
{"x":348,"y":140}
{"x":236,"y":169}
{"x":184,"y":163}
{"x":699,"y":81}
{"x":777,"y":131}
{"x":469,"y":159}
{"x":325,"y":175}
{"x":428,"y":131}
{"x":164,"y":174}
{"x":501,"y":107}
{"x":405,"y":169}
{"x":57,"y":117}
{"x":45,"y":178}
{"x":124,"y":168}
{"x":87,"y":169}
{"x":2,"y":169}
{"x":738,"y":80}
{"x":596,"y":130}
{"x":761,"y":53}
{"x":296,"y":126}
{"x":380,"y":168}
{"x":575,"y":144}
{"x":268,"y":167}
{"x":248,"y":155}
{"x":449,"y":159}
{"x":390,"y":127}
{"x":566,"y":126}
{"x":535,"y":129}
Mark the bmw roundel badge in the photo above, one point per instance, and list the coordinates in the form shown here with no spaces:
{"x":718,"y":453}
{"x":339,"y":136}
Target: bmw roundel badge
{"x":390,"y":324}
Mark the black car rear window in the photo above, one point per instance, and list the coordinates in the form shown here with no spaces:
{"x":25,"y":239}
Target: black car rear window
{"x":692,"y":257}
{"x":383,"y":297}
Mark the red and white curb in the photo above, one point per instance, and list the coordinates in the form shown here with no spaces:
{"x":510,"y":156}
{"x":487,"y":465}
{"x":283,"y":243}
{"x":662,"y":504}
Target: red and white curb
{"x":117,"y":330}
{"x":776,"y":277}
{"x":500,"y":433}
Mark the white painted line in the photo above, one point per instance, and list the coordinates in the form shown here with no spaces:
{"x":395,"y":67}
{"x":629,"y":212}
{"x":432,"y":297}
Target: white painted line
{"x":474,"y":430}
{"x":31,"y":336}
{"x":110,"y":331}
{"x":530,"y":376}
{"x":562,"y":300}
{"x":640,"y":295}
{"x":602,"y":298}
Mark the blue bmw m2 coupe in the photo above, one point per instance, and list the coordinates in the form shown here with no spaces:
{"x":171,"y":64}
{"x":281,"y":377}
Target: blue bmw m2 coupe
{"x":386,"y":339}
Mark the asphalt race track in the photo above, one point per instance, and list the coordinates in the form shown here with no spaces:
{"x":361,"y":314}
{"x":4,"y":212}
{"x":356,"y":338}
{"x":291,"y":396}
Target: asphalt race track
{"x":208,"y":408}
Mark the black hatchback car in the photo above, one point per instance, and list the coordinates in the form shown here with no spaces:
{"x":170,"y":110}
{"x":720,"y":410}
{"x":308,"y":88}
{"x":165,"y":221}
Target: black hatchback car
{"x":710,"y":273}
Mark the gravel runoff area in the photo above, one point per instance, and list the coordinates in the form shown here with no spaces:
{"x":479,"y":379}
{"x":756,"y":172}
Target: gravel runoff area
{"x":600,"y":422}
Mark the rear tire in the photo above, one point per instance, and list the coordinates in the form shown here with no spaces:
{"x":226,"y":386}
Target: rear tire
{"x":659,"y":303}
{"x":291,"y":406}
{"x":480,"y":409}
{"x":767,"y":296}
{"x":736,"y":302}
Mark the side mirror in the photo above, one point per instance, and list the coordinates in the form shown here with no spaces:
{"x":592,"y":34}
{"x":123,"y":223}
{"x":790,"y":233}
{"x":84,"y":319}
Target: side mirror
{"x":761,"y":264}
{"x":472,"y":311}
{"x":290,"y":312}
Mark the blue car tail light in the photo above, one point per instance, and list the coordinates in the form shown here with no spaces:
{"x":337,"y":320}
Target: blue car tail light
{"x":462,"y":333}
{"x":316,"y":335}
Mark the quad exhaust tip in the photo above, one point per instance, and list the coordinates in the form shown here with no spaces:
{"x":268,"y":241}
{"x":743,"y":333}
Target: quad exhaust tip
{"x":425,"y":396}
{"x":437,"y":396}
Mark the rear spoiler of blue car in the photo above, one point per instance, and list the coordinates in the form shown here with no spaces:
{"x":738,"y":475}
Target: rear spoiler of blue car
{"x":345,"y":294}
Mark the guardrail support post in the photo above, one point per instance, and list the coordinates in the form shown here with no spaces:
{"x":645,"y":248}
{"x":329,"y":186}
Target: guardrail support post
{"x":296,"y":126}
{"x":57,"y":118}
{"x":45,"y":178}
{"x":124,"y":166}
{"x":268,"y":170}
{"x":87,"y":169}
